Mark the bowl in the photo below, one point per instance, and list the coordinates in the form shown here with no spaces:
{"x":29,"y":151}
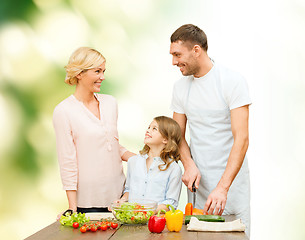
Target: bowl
{"x":135,"y":212}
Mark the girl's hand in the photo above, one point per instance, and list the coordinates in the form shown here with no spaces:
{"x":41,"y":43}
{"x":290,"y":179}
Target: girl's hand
{"x":121,"y":200}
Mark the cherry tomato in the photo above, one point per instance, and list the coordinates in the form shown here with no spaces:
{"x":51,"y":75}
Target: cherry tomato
{"x":83,"y":229}
{"x":114,"y":225}
{"x":132,"y":218}
{"x":104,"y":227}
{"x":75,"y":224}
{"x":93,"y":229}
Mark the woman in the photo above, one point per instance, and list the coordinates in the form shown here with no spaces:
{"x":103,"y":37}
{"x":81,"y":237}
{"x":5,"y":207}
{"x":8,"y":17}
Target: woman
{"x":85,"y":123}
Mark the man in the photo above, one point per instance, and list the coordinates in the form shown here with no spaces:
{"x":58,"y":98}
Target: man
{"x":214,"y":100}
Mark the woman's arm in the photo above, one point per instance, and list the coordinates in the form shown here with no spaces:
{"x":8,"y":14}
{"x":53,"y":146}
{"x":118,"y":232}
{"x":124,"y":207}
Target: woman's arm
{"x":127,"y":155}
{"x":72,"y":200}
{"x":66,"y":153}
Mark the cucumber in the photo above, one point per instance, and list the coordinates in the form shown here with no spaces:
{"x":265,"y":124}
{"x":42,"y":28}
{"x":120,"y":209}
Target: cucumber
{"x":207,"y":218}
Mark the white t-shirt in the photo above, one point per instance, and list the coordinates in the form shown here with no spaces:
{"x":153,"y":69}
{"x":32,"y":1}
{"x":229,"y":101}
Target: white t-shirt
{"x":207,"y":93}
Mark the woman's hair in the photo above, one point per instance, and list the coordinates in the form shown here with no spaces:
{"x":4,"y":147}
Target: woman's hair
{"x":170,"y":130}
{"x":82,"y":59}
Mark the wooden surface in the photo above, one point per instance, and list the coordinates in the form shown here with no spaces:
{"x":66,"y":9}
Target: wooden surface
{"x":57,"y":232}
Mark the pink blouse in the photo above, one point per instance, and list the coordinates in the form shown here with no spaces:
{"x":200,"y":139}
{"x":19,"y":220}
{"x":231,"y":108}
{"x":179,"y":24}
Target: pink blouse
{"x":89,"y":153}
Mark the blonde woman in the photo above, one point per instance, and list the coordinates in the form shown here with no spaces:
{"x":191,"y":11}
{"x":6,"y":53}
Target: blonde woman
{"x":89,"y":154}
{"x":155,"y":174}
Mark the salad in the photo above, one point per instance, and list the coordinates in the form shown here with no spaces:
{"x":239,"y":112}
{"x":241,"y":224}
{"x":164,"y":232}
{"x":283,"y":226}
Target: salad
{"x":132,"y":213}
{"x":68,"y":219}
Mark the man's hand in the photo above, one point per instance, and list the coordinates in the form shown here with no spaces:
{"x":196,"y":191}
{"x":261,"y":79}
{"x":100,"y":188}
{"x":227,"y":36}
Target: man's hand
{"x":191,"y":174}
{"x":216,"y":202}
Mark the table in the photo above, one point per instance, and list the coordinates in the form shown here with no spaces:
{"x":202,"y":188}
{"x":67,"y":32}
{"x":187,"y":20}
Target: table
{"x":56,"y":231}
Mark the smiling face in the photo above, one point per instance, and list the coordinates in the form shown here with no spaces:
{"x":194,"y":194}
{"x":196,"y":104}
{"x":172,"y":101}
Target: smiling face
{"x":184,"y":57}
{"x":91,"y":79}
{"x":153,"y":135}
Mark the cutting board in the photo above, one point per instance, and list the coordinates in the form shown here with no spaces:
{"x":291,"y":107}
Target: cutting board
{"x":99,"y":215}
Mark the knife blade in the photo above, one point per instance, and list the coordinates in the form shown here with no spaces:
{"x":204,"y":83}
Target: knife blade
{"x":194,"y":194}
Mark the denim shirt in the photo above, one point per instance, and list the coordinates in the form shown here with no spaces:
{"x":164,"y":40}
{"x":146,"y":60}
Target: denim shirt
{"x":162,"y":186}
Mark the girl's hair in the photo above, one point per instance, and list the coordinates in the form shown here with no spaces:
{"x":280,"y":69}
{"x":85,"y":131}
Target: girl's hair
{"x":170,"y":130}
{"x":82,"y":59}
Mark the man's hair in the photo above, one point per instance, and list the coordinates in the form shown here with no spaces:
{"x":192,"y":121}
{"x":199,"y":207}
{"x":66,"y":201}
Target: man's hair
{"x":191,"y":35}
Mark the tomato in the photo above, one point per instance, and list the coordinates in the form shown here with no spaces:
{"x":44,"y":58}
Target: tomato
{"x":104,"y":227}
{"x":83,"y":229}
{"x":93,"y":229}
{"x":75,"y":224}
{"x":114,"y":225}
{"x":132,"y":218}
{"x":92,"y":226}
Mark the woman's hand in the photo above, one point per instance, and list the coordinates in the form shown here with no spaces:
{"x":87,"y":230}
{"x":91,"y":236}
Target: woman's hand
{"x":60,"y":214}
{"x":127,"y":155}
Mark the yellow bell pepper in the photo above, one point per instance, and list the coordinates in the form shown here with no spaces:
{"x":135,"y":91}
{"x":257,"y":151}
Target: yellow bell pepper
{"x":174,"y":219}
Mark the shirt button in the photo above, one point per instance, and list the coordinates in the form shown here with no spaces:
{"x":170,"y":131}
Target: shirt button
{"x":143,"y":195}
{"x":145,"y":181}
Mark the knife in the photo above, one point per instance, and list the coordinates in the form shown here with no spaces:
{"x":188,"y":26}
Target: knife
{"x":194,"y":194}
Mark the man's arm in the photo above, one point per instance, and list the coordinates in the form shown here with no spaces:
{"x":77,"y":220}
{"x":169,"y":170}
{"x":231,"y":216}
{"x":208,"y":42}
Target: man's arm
{"x":239,"y":124}
{"x":191,"y":172}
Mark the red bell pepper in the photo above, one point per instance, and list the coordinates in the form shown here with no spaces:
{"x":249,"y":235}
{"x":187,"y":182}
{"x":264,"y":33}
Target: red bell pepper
{"x":156,"y":223}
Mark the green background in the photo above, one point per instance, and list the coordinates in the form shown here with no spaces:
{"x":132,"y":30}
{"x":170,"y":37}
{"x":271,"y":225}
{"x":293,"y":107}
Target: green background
{"x":263,"y":40}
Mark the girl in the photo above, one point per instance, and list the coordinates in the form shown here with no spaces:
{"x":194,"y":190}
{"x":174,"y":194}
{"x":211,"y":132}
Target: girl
{"x":154,"y":174}
{"x":89,"y":154}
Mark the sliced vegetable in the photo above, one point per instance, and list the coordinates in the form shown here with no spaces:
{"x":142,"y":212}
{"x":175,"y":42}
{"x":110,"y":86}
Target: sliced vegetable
{"x":196,"y":211}
{"x":207,"y":218}
{"x":189,"y":209}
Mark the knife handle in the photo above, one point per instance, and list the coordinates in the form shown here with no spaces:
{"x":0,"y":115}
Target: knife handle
{"x":193,"y":187}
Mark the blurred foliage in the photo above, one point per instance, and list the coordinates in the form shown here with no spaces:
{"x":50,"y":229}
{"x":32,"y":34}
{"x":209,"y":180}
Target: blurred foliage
{"x":16,"y":9}
{"x":22,"y":154}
